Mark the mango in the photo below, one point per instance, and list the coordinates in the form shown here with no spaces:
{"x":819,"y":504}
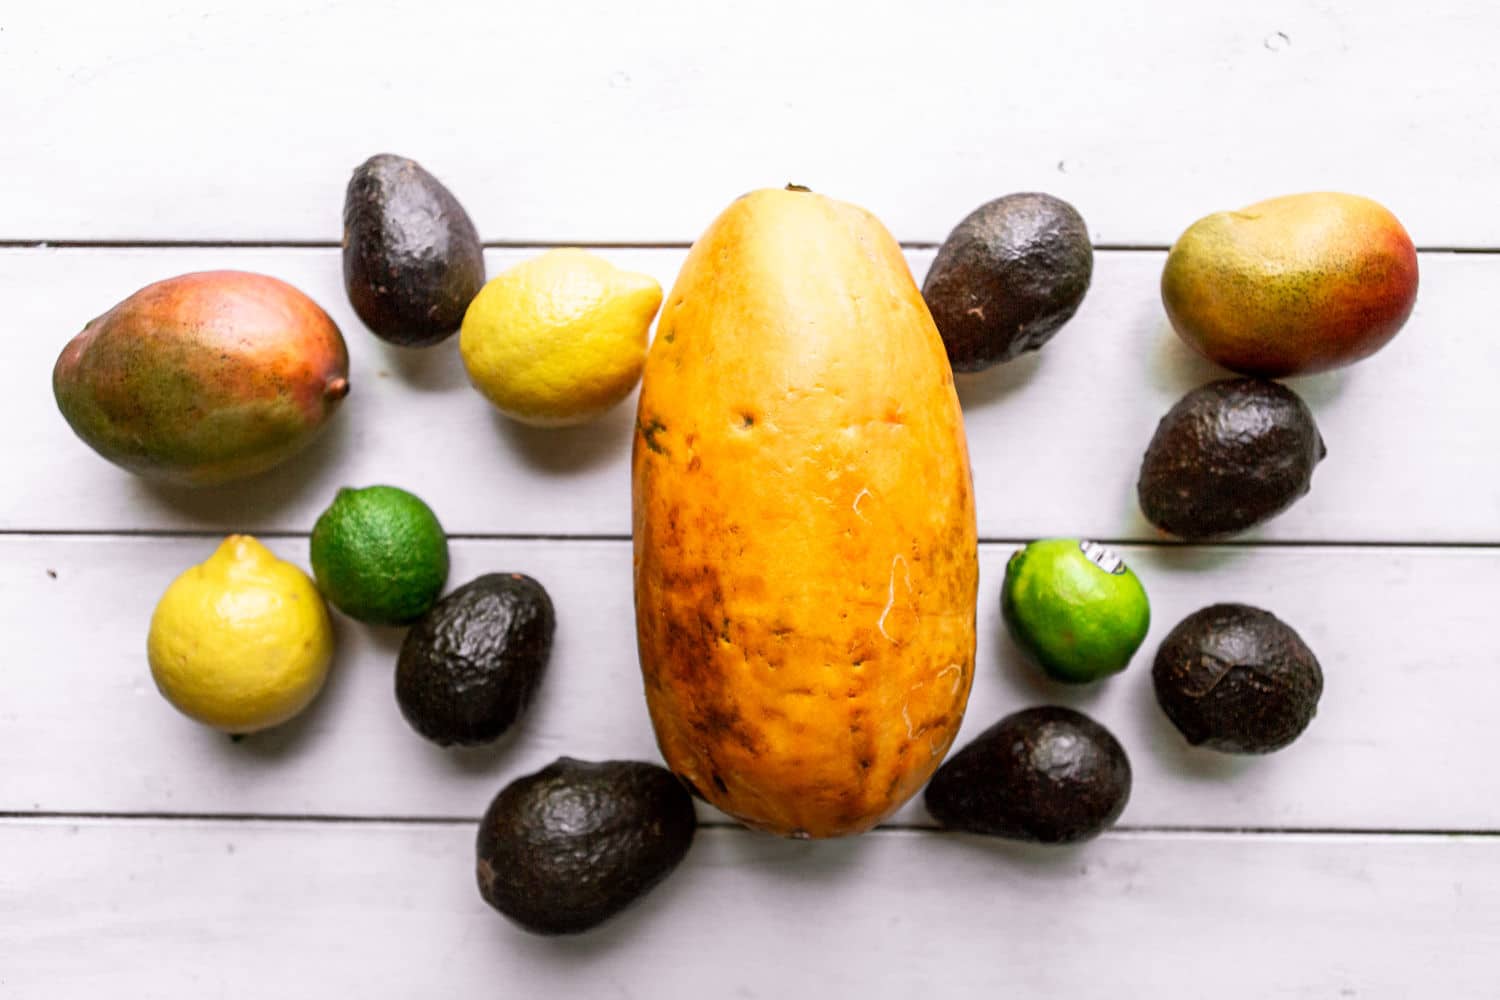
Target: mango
{"x":203,"y":378}
{"x":805,"y":556}
{"x":1293,"y":285}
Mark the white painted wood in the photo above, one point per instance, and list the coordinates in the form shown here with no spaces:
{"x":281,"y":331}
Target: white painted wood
{"x":1056,"y":437}
{"x":592,"y":120}
{"x":607,"y":123}
{"x":187,"y":910}
{"x":1404,"y":737}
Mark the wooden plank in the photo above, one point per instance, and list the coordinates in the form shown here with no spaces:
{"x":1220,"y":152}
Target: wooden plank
{"x":1056,"y":438}
{"x":213,"y":121}
{"x":168,"y":910}
{"x":1403,"y":739}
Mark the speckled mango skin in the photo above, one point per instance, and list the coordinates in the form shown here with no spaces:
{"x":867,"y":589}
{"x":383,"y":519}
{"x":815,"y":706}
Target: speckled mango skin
{"x":805,"y":552}
{"x":203,"y":378}
{"x":1293,"y":285}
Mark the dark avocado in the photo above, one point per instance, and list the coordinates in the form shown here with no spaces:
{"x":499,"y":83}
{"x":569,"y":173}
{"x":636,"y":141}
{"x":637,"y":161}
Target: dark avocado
{"x":1048,"y":774}
{"x":1237,"y":679}
{"x":469,"y":667}
{"x":1008,"y":276}
{"x":1228,"y":456}
{"x":565,"y":849}
{"x":412,"y":259}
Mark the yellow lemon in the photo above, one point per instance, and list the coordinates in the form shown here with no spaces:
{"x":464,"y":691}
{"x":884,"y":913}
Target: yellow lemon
{"x":559,"y":339}
{"x":241,"y":642}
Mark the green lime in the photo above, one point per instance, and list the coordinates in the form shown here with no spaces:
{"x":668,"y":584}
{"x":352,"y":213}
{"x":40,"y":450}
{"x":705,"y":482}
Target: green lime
{"x":1074,"y":608}
{"x":380,"y":555}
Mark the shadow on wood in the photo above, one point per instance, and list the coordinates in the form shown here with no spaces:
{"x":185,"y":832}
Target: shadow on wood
{"x":1320,"y":390}
{"x":1050,"y":861}
{"x":437,"y":368}
{"x":566,"y":450}
{"x":996,"y":384}
{"x":1177,"y":367}
{"x":240,"y":506}
{"x":1184,"y":557}
{"x":799,"y":861}
{"x":489,"y":758}
{"x":386,"y":638}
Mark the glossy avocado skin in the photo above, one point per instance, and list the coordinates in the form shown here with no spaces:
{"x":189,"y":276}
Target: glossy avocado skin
{"x":1048,"y":774}
{"x":1008,"y":276}
{"x":564,"y":849}
{"x":1237,"y":679}
{"x":1230,"y":455}
{"x":412,"y":258}
{"x":470,"y":666}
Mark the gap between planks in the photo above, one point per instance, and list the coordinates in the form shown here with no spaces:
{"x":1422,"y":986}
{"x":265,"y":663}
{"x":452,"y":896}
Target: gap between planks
{"x":145,"y":244}
{"x":1121,"y":832}
{"x":1151,"y":543}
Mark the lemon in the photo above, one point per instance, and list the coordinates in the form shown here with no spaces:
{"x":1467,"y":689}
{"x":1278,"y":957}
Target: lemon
{"x":241,"y":642}
{"x":559,"y":339}
{"x":1074,"y":608}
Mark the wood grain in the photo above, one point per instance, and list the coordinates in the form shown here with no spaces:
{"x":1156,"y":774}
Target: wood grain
{"x":1402,"y":740}
{"x":187,"y":910}
{"x":1056,"y":437}
{"x":220,"y":120}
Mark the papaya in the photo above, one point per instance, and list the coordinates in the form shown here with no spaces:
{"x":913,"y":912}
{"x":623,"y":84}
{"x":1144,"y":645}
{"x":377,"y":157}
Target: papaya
{"x":803,"y":522}
{"x":203,"y":378}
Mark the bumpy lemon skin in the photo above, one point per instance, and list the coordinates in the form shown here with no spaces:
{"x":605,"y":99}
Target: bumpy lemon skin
{"x":241,"y":642}
{"x":559,"y":339}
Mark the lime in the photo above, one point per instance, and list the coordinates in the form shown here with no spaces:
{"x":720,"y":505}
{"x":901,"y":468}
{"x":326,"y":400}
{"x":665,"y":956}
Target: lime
{"x":1074,"y":608}
{"x":242,"y":641}
{"x":380,"y":555}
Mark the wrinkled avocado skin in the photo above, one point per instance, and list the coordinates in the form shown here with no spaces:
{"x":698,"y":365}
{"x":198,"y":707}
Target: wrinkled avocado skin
{"x":1237,"y":679}
{"x":1049,"y":775}
{"x":470,"y":666}
{"x":563,"y":850}
{"x":412,"y":258}
{"x":1230,"y":455}
{"x":1008,"y":276}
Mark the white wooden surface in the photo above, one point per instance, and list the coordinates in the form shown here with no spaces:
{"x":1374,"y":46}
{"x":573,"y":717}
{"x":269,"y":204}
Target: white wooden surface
{"x":142,"y":856}
{"x":1056,"y":438}
{"x":1403,"y":740}
{"x":187,"y":119}
{"x":188,"y":910}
